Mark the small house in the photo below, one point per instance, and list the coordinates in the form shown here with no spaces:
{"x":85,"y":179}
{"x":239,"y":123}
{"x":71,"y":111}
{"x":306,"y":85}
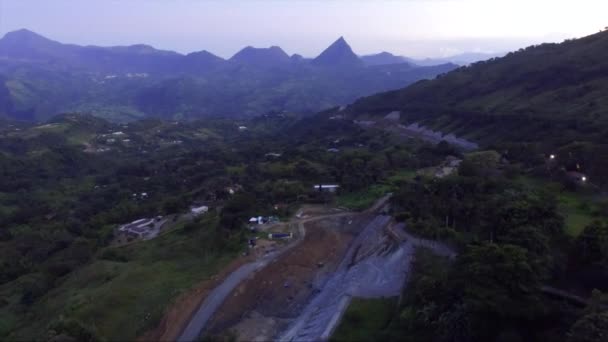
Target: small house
{"x":196,"y":211}
{"x":326,"y":187}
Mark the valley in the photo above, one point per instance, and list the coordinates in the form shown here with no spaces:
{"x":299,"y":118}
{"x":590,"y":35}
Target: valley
{"x":154,"y":195}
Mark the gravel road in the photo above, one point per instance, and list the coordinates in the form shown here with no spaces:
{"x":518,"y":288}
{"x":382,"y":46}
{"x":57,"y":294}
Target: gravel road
{"x":372,"y":268}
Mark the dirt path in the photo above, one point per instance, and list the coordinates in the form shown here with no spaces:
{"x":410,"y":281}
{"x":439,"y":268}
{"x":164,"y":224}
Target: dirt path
{"x":314,"y":320}
{"x":265,"y":303}
{"x":375,"y":266}
{"x":216,"y":298}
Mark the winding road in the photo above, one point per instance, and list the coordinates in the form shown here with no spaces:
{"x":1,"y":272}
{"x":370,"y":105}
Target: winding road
{"x":216,"y":298}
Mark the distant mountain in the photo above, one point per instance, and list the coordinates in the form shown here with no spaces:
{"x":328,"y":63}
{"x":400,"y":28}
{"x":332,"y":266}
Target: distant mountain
{"x":40,"y":77}
{"x":25,"y":46}
{"x":201,"y":62}
{"x":548,"y":98}
{"x":264,"y":57}
{"x":460,"y":59}
{"x":338,"y":54}
{"x":384,"y":58}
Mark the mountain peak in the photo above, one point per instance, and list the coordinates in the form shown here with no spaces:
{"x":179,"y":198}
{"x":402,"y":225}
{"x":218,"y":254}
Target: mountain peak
{"x":24,"y":36}
{"x":261,"y":56}
{"x":339,"y":53}
{"x":28,"y":45}
{"x":383,"y":58}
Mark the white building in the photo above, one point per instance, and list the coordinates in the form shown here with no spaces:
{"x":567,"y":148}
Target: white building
{"x":196,"y":211}
{"x":138,"y":228}
{"x":326,"y":187}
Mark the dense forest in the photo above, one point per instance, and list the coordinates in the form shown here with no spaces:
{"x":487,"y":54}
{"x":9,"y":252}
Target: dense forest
{"x":70,"y":182}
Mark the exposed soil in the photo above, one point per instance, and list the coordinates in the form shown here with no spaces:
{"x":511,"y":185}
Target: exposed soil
{"x":262,"y":305}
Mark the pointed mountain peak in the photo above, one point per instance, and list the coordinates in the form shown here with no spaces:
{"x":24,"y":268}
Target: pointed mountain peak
{"x":339,"y":53}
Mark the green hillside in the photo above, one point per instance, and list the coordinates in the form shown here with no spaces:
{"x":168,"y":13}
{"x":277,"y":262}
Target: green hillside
{"x":548,"y":98}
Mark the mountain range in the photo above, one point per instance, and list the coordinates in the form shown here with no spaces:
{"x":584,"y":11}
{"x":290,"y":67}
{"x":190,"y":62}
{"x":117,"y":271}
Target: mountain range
{"x":40,"y":77}
{"x":385,"y":58}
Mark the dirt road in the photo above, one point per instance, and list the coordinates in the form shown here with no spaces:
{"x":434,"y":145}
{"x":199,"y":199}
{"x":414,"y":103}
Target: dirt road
{"x":219,"y":295}
{"x":373,"y":267}
{"x":314,"y":320}
{"x":215,"y":299}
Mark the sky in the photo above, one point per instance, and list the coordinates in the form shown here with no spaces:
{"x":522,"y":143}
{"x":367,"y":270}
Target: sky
{"x":415,"y":28}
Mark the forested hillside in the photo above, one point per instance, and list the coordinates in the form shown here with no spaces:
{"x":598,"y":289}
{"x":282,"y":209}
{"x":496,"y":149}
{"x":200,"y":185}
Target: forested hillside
{"x":545,"y":99}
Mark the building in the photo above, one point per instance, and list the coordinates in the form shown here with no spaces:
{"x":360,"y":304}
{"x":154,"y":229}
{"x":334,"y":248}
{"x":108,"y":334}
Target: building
{"x":273,"y":155}
{"x":138,"y":228}
{"x":326,"y":187}
{"x":196,"y":211}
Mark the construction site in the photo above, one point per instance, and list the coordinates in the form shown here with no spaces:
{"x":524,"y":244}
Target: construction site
{"x":298,"y":289}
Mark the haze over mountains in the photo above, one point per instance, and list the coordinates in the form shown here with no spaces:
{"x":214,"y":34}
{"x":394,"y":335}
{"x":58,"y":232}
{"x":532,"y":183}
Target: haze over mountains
{"x":384,"y":58}
{"x":41,"y":78}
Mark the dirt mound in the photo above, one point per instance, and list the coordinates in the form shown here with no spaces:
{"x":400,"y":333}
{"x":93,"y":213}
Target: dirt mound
{"x":281,"y":289}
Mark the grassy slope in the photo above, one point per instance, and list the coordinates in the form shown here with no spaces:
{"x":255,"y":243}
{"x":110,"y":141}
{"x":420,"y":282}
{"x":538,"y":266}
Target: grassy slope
{"x":365,"y":319}
{"x":577,"y":208}
{"x":120,"y":300}
{"x":364,"y":199}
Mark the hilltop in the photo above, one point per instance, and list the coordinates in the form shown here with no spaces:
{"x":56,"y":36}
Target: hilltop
{"x":338,"y":54}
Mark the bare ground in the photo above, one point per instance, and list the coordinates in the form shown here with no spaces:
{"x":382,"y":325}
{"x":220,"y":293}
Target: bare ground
{"x":264,"y":304}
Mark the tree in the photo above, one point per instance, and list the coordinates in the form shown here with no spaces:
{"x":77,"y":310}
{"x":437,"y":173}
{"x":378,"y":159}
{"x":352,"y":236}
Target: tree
{"x":497,"y":286}
{"x":592,"y":327}
{"x":592,"y":244}
{"x":239,"y":207}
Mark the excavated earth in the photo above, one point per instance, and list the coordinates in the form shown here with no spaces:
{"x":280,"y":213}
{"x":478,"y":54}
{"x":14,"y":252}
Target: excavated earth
{"x":264,"y":305}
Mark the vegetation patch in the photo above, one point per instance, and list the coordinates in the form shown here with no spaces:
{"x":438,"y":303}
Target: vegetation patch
{"x":363,"y":199}
{"x":125,"y":290}
{"x":366,"y":320}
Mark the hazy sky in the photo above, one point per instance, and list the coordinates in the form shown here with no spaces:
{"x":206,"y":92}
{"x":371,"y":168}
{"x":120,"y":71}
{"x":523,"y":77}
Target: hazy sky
{"x":410,"y":27}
